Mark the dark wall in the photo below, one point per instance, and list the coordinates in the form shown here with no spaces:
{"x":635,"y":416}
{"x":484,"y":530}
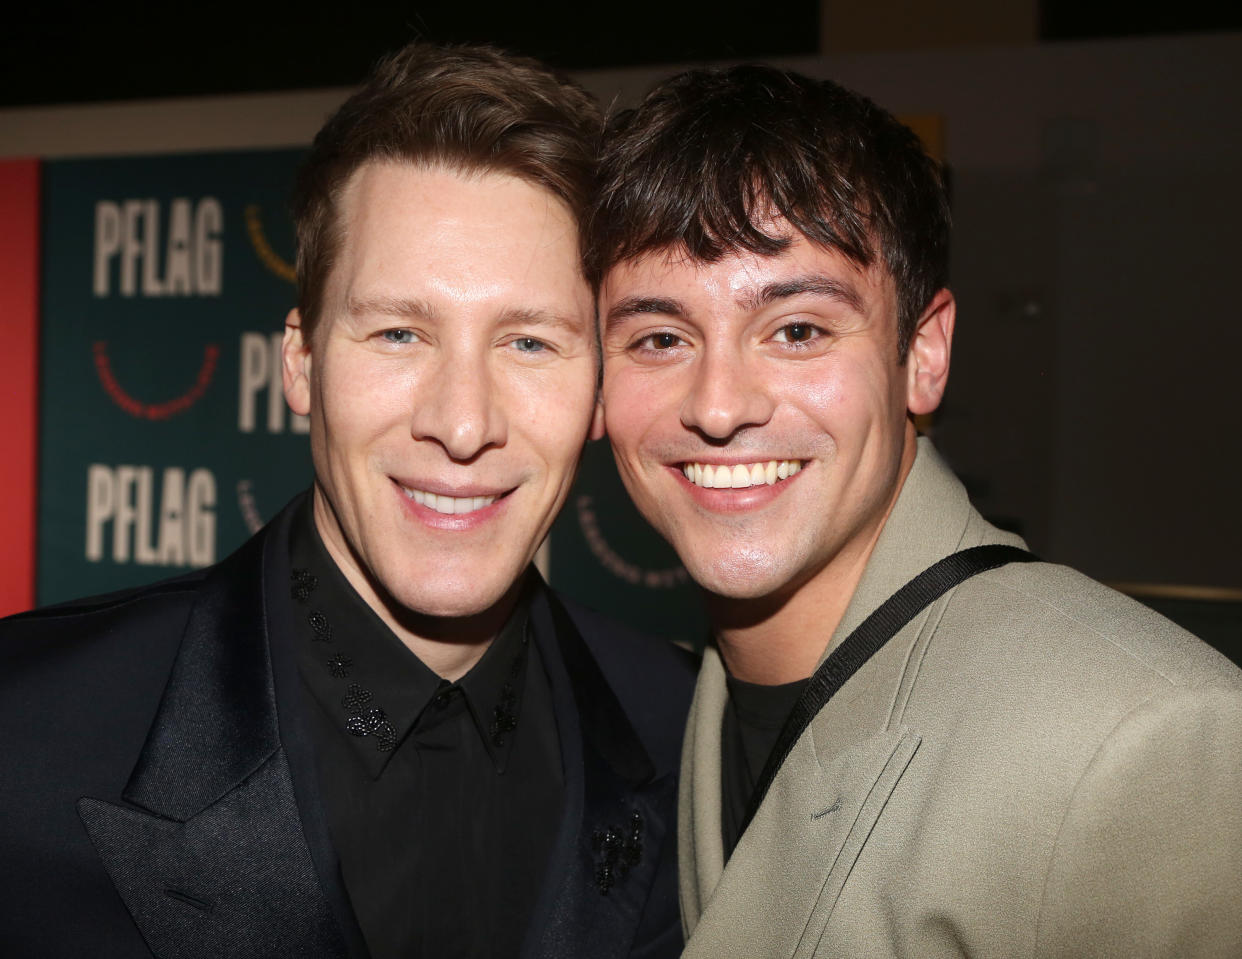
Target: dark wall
{"x":1094,"y":399}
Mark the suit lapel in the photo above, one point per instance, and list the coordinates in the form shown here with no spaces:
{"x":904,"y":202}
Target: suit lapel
{"x":209,"y":854}
{"x":787,"y":871}
{"x":616,"y":812}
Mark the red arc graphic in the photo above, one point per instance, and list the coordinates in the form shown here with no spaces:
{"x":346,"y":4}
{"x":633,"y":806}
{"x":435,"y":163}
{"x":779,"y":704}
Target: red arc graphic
{"x":155,"y":411}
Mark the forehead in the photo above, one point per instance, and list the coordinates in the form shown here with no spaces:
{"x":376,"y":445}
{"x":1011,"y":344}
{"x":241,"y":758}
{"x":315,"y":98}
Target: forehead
{"x":745,"y":281}
{"x":405,"y":225}
{"x":417,"y":196}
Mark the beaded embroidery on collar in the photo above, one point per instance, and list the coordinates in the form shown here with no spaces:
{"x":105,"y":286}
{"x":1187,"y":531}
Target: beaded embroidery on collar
{"x":362,"y":719}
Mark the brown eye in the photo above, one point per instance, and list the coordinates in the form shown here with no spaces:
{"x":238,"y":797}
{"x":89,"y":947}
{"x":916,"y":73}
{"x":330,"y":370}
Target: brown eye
{"x":797,"y":333}
{"x":659,"y":341}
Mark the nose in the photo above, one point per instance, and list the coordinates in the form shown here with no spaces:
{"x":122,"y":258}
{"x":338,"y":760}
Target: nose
{"x":457,"y":404}
{"x":727,"y":394}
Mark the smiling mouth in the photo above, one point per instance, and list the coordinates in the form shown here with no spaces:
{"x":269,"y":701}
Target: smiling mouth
{"x":450,"y":505}
{"x":740,"y":475}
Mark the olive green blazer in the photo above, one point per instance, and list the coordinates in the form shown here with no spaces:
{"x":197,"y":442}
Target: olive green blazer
{"x":1034,"y":766}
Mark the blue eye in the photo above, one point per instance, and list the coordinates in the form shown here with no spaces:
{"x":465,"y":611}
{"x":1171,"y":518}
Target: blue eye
{"x":528,"y":344}
{"x":400,"y":336}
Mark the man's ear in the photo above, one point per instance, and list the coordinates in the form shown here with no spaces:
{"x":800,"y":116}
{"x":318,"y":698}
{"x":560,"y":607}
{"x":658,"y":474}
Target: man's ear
{"x":295,"y":356}
{"x":927,"y":362}
{"x":597,"y":420}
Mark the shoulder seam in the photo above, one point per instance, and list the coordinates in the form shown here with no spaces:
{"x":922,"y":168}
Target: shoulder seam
{"x":1106,"y":637}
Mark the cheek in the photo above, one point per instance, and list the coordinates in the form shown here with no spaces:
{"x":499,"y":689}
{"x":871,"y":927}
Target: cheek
{"x":553,"y":415}
{"x":848,"y":398}
{"x":359,"y":402}
{"x":821,"y":395}
{"x":635,"y":406}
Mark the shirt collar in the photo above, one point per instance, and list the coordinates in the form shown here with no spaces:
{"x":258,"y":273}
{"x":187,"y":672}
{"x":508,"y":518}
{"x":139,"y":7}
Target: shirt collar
{"x":369,"y":682}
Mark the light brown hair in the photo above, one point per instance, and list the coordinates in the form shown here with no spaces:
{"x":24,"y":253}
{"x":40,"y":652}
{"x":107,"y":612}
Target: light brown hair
{"x":466,"y":108}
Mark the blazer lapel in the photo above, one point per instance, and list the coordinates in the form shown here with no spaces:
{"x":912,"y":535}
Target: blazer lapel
{"x":209,"y":854}
{"x":617,"y":814}
{"x":787,"y":871}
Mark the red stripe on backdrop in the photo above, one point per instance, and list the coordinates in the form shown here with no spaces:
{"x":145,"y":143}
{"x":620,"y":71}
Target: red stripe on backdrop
{"x":19,"y":366}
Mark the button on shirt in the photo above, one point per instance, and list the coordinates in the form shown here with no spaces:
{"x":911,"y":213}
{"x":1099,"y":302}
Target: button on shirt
{"x":443,"y":798}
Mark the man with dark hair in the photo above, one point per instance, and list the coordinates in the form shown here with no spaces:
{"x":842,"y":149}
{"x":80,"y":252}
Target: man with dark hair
{"x":910,"y":738}
{"x":373,"y":730}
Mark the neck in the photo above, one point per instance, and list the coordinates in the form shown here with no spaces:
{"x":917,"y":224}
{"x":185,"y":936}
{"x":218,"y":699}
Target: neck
{"x":449,"y":645}
{"x":781,"y":638}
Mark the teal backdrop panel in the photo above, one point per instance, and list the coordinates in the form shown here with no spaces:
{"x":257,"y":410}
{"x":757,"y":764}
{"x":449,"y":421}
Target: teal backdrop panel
{"x":604,"y":554}
{"x":164,"y":437}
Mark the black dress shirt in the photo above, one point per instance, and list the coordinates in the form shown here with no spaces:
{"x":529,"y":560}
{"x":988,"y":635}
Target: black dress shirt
{"x":752,"y":721}
{"x":443,"y":799}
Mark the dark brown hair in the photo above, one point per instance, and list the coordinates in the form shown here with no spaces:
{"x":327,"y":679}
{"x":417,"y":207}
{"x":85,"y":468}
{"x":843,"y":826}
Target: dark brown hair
{"x":710,"y":152}
{"x":466,"y":108}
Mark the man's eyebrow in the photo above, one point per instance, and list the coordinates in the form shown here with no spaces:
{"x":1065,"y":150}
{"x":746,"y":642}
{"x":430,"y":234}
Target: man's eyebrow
{"x":640,"y":305}
{"x":381,"y":305}
{"x":536,"y":318}
{"x":407,"y":308}
{"x":814,"y":285}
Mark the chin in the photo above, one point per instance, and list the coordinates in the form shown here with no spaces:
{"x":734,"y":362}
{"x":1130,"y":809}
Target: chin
{"x":453,"y":597}
{"x":746,"y":575}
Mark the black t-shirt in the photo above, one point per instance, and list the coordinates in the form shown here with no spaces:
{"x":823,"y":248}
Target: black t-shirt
{"x":443,"y":799}
{"x":753,"y":717}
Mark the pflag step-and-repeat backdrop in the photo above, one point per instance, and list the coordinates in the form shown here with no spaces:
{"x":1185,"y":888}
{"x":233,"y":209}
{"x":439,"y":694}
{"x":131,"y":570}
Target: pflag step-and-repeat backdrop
{"x":163,"y":437}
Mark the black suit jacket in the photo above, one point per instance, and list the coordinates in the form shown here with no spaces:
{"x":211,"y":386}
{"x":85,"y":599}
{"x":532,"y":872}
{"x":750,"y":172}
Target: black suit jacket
{"x":158,"y":791}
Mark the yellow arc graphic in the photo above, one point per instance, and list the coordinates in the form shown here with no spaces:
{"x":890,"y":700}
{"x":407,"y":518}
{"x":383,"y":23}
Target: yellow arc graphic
{"x":269,"y":257}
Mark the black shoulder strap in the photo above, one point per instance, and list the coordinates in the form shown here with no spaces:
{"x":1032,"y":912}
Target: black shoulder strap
{"x":865,"y":641}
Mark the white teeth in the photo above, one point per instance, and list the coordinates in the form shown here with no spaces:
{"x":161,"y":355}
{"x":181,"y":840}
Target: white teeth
{"x":448,"y":505}
{"x":741,"y":476}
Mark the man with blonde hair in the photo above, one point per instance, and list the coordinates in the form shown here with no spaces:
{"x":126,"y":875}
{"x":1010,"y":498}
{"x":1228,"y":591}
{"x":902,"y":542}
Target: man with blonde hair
{"x":374,"y":730}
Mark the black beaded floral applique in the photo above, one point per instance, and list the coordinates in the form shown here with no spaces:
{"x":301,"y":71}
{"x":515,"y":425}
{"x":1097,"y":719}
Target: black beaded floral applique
{"x":368,"y":722}
{"x":319,"y":626}
{"x":304,"y":583}
{"x":362,"y":718}
{"x":504,"y":713}
{"x":618,"y":850}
